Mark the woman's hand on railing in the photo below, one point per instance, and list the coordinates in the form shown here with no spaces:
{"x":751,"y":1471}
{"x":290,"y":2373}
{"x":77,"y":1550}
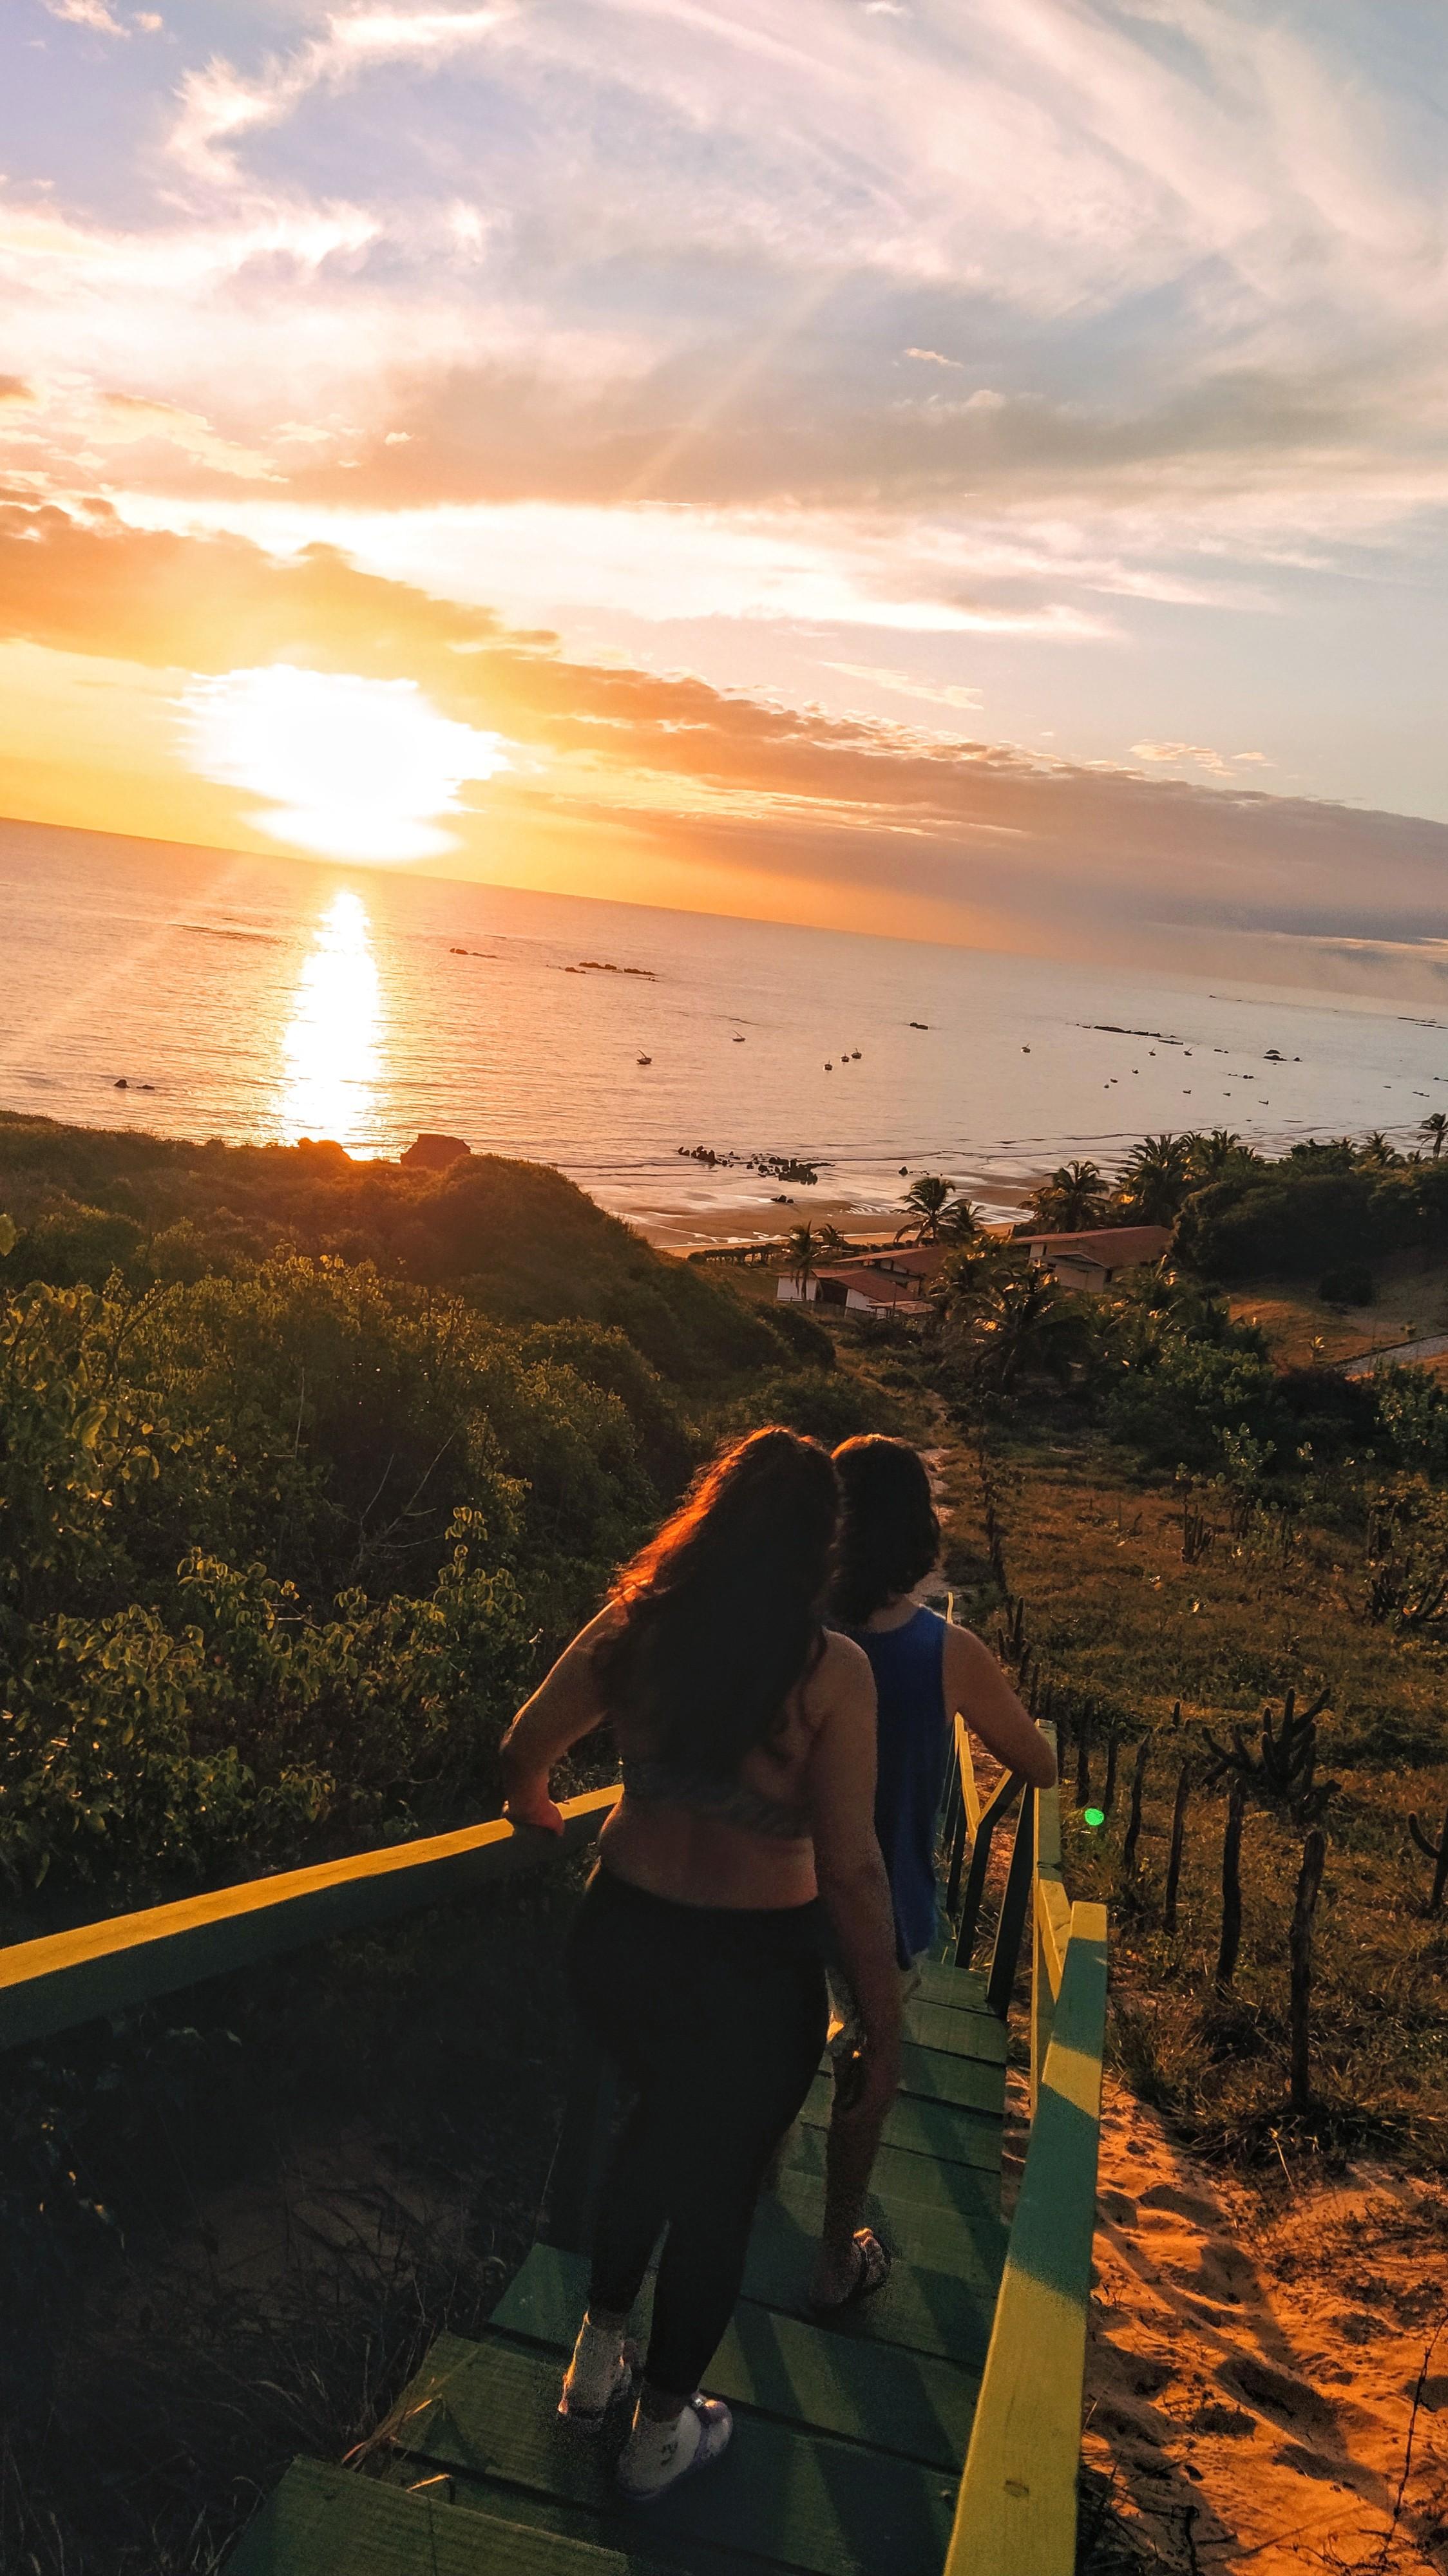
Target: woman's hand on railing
{"x":534,"y":1807}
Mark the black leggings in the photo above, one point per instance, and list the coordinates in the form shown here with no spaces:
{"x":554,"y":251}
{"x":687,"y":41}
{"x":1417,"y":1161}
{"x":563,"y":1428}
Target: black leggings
{"x":716,"y":2018}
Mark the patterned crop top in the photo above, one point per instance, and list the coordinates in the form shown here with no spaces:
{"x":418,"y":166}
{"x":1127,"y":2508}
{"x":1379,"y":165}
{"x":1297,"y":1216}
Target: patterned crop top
{"x":658,"y":1783}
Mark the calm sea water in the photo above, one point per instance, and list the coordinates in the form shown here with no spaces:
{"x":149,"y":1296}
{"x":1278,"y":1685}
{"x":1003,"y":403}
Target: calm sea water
{"x":256,"y":999}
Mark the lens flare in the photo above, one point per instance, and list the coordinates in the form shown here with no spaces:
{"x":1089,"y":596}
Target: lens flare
{"x":329,"y":1048}
{"x":353,"y":768}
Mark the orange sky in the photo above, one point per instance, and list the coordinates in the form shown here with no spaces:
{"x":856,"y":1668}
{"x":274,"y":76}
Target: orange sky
{"x":969,"y":474}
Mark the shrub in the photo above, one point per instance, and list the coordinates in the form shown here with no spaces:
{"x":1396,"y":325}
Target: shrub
{"x":1352,"y":1286}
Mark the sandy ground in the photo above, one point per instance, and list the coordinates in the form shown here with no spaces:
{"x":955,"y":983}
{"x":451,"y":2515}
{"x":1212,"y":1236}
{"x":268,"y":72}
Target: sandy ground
{"x":756,"y":1220}
{"x":1267,"y":2388}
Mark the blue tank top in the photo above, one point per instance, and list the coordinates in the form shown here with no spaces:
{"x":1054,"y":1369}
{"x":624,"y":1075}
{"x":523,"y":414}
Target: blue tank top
{"x":909,"y":1683}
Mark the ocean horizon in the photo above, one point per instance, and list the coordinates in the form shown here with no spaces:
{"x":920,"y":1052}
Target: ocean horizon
{"x":216,"y":993}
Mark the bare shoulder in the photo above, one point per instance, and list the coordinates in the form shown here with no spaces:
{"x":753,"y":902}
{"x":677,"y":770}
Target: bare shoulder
{"x":842,"y":1678}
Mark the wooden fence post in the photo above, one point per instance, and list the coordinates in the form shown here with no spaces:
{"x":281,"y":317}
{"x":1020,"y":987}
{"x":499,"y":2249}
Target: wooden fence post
{"x":1174,"y":1857}
{"x":1133,"y":1821}
{"x":1232,"y":1884}
{"x":1309,"y":1882}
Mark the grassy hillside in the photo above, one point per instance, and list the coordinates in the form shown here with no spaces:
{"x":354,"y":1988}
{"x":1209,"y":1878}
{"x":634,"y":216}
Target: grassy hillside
{"x":517,"y":1238}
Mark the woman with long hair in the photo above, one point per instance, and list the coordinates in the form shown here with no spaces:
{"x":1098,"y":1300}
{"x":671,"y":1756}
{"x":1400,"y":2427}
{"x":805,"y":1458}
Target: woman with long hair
{"x":747,"y":1736}
{"x":925,"y":1670}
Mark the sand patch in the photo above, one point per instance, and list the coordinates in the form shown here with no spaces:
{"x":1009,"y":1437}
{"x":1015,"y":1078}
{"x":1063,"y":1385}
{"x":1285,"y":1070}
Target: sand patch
{"x":1259,"y":2359}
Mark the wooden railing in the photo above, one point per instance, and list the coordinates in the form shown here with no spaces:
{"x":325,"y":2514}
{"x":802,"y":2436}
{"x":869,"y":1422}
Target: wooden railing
{"x":1016,"y":2509}
{"x":50,"y":1985}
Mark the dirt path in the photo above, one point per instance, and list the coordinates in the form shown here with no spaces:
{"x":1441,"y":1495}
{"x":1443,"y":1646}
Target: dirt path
{"x":1258,"y":2366}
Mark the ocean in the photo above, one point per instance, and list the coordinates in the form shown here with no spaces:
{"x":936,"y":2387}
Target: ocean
{"x":262,"y":999}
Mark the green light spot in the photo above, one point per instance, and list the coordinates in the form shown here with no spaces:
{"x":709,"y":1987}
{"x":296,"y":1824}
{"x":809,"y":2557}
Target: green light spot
{"x":1093,"y":1816}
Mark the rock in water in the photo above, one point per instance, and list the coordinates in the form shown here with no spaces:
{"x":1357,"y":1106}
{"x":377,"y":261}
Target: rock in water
{"x":434,"y":1153}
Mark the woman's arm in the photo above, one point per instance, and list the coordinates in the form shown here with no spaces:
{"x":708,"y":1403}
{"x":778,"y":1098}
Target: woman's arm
{"x":976,"y":1686}
{"x":564,"y":1707}
{"x":840,"y":1789}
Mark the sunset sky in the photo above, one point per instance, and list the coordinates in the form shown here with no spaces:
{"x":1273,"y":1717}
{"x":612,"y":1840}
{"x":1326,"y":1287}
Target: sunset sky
{"x":968,"y":468}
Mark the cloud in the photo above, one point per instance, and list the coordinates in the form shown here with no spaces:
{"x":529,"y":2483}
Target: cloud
{"x":905,"y":828}
{"x":966,"y":701}
{"x":88,"y":13}
{"x":933,"y":358}
{"x":14,"y":389}
{"x":1198,"y":755}
{"x":127,"y":417}
{"x":219,"y":105}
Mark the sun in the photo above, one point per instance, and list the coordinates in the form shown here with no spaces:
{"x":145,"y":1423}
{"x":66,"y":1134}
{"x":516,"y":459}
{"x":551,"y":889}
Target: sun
{"x":352,"y":768}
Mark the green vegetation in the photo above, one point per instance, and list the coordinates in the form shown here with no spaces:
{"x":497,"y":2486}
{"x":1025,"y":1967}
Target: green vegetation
{"x":305,"y":1467}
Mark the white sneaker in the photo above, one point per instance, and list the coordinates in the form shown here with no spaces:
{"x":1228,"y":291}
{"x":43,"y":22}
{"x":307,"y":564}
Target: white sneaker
{"x":601,"y":2371}
{"x":656,"y":2456}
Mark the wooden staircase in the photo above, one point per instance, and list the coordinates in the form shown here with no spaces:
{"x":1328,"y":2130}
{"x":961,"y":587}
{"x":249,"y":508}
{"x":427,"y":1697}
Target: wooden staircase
{"x":849,"y":2439}
{"x":933,"y":2432}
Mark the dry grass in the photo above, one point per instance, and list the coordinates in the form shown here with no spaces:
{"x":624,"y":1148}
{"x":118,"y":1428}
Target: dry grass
{"x":1111,"y":1605}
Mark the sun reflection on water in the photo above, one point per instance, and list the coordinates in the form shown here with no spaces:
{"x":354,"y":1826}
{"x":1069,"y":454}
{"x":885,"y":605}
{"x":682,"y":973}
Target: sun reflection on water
{"x":330,"y":1048}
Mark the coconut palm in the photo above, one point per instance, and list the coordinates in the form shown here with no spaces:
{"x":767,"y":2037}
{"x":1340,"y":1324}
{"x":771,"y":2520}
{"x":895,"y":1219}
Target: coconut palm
{"x":1156,"y":1179}
{"x":1211,"y":1152}
{"x":832,"y":1242}
{"x":1375,"y":1154}
{"x":802,"y":1252}
{"x":1435,"y":1128}
{"x":1024,"y":1321}
{"x":1073,"y":1199}
{"x":959,"y":1223}
{"x":925,"y":1199}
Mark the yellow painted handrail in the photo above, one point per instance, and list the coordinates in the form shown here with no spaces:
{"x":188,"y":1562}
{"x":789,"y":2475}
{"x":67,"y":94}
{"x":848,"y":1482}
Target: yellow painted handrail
{"x":68,"y":1977}
{"x":1016,"y":2511}
{"x":970,"y":1794}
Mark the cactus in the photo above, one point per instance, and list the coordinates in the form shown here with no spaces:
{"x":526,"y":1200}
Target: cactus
{"x":1283,"y":1774}
{"x":1437,"y":1852}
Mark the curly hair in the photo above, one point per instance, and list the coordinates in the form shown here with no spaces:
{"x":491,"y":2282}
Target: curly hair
{"x":890,"y":1535}
{"x":722,"y":1611}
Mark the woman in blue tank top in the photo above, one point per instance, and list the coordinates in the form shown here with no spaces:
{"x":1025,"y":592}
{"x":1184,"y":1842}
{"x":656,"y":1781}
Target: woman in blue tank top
{"x":926,"y":1669}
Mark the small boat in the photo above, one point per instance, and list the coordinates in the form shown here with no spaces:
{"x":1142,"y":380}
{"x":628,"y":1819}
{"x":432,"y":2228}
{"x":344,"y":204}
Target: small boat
{"x":829,"y":1068}
{"x":646,"y":1059}
{"x":739,"y":1042}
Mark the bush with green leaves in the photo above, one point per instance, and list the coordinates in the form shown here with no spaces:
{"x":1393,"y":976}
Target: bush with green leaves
{"x":278,"y":1553}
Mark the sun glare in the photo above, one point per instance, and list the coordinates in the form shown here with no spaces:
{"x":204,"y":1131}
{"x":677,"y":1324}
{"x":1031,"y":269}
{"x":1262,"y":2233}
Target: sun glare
{"x":329,"y":1047}
{"x":353,"y":768}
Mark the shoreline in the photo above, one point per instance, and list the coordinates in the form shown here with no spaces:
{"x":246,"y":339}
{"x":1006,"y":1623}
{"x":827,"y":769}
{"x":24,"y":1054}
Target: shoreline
{"x":678,"y":1227}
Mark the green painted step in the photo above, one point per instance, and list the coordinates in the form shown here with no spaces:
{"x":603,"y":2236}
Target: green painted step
{"x":960,"y":2034}
{"x":326,"y":2521}
{"x":940,"y":2297}
{"x":965,"y":1988}
{"x":936,"y":2130}
{"x":970,"y":2190}
{"x":487,"y":2411}
{"x":939,"y":2075}
{"x":914,"y":2404}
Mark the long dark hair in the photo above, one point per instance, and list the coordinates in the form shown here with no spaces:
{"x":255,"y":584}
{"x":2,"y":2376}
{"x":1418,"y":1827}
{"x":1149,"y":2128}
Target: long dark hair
{"x":721,"y":1613}
{"x":890,"y":1536}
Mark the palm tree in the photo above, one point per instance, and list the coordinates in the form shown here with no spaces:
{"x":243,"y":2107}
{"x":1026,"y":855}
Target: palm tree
{"x":1375,"y":1154}
{"x":925,"y":1200}
{"x":1073,"y":1199}
{"x":1025,"y":1320}
{"x":1156,"y":1179}
{"x":802,"y":1251}
{"x":1210,"y":1153}
{"x":832,"y":1241}
{"x":1435,"y":1128}
{"x":959,"y":1223}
